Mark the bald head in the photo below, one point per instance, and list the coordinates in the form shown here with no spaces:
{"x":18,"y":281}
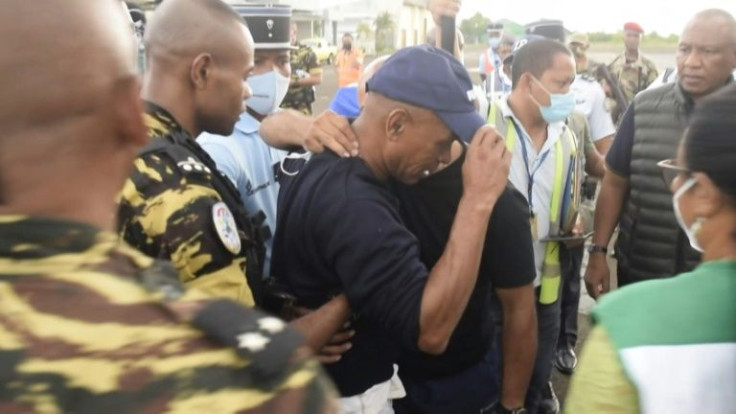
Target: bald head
{"x":58,"y":60}
{"x":367,"y":74}
{"x":69,"y":109}
{"x":200,"y":53}
{"x":184,"y":29}
{"x":706,"y":54}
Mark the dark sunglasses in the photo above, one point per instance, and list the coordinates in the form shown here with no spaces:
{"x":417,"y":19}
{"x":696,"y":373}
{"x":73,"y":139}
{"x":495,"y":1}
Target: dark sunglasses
{"x":670,"y":171}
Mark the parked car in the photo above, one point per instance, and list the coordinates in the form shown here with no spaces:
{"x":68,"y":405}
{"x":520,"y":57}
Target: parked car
{"x":325,"y":51}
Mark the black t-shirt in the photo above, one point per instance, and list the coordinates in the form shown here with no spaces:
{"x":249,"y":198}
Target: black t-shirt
{"x":428,"y":209}
{"x":338,"y":230}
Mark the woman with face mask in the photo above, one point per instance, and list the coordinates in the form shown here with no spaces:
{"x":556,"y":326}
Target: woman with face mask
{"x":669,"y":346}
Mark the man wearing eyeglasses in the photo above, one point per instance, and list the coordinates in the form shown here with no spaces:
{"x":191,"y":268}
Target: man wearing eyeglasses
{"x":651,"y":244}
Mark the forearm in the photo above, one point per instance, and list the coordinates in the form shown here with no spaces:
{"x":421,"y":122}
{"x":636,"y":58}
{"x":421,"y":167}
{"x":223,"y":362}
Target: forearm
{"x":608,"y":208}
{"x":319,"y":326}
{"x":519,"y":345}
{"x":604,"y":144}
{"x":312,"y":80}
{"x":285,"y":129}
{"x":452,"y":279}
{"x":595,"y":165}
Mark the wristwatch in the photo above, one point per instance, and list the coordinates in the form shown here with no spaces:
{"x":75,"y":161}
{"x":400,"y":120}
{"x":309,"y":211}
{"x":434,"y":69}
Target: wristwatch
{"x":594,"y":248}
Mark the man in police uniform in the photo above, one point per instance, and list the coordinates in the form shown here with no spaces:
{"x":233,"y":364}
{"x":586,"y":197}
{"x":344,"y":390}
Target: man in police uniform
{"x":633,"y":71}
{"x":306,"y":73}
{"x":253,"y":166}
{"x":490,"y":64}
{"x":88,"y":324}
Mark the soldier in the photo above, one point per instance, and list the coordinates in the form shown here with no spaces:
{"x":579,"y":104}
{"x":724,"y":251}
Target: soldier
{"x":175,"y":205}
{"x":632,"y":70}
{"x":579,"y":45}
{"x":306,"y":73}
{"x":88,"y":324}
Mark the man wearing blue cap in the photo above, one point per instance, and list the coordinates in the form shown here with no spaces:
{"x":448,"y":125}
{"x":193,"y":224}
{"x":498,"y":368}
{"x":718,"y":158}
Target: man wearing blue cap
{"x":339,"y":228}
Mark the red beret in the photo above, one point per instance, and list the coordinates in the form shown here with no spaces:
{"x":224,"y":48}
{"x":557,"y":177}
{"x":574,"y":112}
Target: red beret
{"x":634,"y":27}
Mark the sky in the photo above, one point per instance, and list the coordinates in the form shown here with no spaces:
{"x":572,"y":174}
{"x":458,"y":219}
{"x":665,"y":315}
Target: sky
{"x":664,"y":17}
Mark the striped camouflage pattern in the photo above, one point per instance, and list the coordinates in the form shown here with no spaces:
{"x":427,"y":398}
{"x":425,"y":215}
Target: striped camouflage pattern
{"x":166,"y":213}
{"x":633,"y":77}
{"x":80,"y":334}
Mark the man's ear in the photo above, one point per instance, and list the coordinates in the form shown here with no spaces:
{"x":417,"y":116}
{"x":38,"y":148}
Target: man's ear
{"x":396,"y":123}
{"x":708,"y":199}
{"x":128,"y":113}
{"x":201,"y":70}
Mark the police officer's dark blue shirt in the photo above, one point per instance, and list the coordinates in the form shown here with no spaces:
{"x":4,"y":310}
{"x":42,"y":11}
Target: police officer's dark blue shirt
{"x":338,"y":230}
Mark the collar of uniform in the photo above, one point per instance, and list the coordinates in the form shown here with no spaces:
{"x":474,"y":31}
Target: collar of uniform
{"x":159,"y":121}
{"x":247,"y":124}
{"x":23,"y":237}
{"x":554,"y":130}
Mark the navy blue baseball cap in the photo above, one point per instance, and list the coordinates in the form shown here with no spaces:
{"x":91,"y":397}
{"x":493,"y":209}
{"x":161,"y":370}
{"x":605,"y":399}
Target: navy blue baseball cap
{"x":430,"y":78}
{"x":521,"y":42}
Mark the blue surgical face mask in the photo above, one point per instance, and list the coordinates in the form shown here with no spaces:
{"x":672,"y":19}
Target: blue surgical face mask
{"x":560,"y":105}
{"x":269,"y":89}
{"x":493,"y":42}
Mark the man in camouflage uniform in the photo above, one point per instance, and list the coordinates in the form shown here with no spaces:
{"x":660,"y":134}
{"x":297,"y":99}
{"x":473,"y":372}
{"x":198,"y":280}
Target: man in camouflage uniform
{"x":633,"y":71}
{"x":175,"y":205}
{"x":306,"y":73}
{"x":87,"y":324}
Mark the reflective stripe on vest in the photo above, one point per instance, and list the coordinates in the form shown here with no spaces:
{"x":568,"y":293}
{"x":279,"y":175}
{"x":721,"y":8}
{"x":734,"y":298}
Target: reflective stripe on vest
{"x":551,"y":273}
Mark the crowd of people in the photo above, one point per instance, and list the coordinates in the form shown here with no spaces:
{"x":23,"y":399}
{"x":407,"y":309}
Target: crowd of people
{"x":178,"y":242}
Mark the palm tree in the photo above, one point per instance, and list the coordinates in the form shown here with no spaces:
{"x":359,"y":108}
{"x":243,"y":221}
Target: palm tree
{"x":384,"y":31}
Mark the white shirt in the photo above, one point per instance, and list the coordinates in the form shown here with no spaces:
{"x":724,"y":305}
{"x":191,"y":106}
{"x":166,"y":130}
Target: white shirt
{"x":591,"y":101}
{"x":543,"y":178}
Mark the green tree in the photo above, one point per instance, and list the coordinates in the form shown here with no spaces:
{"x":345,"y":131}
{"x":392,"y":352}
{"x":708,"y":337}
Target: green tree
{"x":474,"y":28}
{"x":384,"y":32}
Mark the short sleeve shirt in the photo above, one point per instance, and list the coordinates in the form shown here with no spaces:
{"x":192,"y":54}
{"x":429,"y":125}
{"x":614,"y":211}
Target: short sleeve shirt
{"x":429,"y":209}
{"x":590,"y":100}
{"x":250,"y":164}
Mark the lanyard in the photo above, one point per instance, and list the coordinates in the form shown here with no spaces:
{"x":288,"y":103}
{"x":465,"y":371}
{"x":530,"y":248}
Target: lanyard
{"x":530,"y":173}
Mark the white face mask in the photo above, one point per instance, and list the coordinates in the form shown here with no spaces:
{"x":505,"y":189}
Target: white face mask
{"x":269,"y":90}
{"x":681,"y":221}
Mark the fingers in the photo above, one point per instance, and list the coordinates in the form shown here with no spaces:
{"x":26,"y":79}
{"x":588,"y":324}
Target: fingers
{"x":341,"y":337}
{"x":333,"y":132}
{"x":592,"y":288}
{"x":330,"y":354}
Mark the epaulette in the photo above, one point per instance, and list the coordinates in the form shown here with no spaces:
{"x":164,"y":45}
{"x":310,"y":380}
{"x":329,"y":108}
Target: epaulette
{"x":267,"y":342}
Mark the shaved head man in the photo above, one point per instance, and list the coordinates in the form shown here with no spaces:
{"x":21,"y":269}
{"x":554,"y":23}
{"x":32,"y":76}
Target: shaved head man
{"x":85,"y":327}
{"x":176,"y":206}
{"x":68,"y":121}
{"x":200,"y":53}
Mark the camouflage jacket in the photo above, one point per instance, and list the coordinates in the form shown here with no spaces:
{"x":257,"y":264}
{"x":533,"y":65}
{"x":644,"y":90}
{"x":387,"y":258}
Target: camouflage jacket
{"x":303,"y":64}
{"x":169,"y":209}
{"x":89,"y":325}
{"x":633,"y":77}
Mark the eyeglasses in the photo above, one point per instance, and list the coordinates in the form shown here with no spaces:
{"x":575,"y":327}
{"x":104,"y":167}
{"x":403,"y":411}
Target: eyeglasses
{"x":670,"y":171}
